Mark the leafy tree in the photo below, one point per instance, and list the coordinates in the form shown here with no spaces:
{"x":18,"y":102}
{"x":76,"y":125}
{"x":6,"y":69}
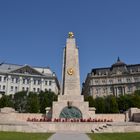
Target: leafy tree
{"x":43,"y":100}
{"x":90,"y":100}
{"x":123,"y":102}
{"x":135,"y":100}
{"x":114,"y":105}
{"x":111,"y":105}
{"x":20,"y":101}
{"x":5,"y":101}
{"x":100,"y":105}
{"x":46,"y":99}
{"x":32,"y":103}
{"x":137,"y":92}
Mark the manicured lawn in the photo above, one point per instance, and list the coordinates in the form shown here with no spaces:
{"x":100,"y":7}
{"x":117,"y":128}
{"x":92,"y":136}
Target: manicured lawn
{"x":23,"y":136}
{"x":115,"y":136}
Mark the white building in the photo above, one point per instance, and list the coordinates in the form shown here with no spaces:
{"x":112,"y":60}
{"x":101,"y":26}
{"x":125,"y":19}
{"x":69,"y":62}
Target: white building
{"x":15,"y":78}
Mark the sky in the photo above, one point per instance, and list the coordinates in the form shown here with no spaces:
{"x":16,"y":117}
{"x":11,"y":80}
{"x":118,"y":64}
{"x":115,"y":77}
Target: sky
{"x":34,"y":32}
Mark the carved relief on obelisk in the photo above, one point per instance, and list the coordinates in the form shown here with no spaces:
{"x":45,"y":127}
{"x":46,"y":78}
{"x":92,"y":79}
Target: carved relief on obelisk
{"x":70,"y":74}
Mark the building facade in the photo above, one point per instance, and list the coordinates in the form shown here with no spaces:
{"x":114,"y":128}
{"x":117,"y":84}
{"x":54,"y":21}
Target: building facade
{"x":115,"y":80}
{"x":15,"y":78}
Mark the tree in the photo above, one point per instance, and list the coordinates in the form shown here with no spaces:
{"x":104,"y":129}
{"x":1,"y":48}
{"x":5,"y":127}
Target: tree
{"x":43,"y":100}
{"x":32,"y":103}
{"x":124,"y":103}
{"x":111,"y":105}
{"x":114,"y":105}
{"x":20,"y":101}
{"x":100,"y":105}
{"x":5,"y":101}
{"x":137,"y":92}
{"x":90,"y":100}
{"x":46,"y":99}
{"x":135,"y":100}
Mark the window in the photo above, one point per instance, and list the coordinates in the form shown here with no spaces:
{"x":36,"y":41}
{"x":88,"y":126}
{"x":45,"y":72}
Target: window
{"x":24,"y":81}
{"x":16,"y":80}
{"x":129,"y":89}
{"x":96,"y":81}
{"x":111,"y":89}
{"x":128,"y":80}
{"x":97,"y":90}
{"x":34,"y":90}
{"x":28,"y":81}
{"x":23,"y":88}
{"x":104,"y":90}
{"x":12,"y":80}
{"x":38,"y":89}
{"x":46,"y":82}
{"x":103,"y":81}
{"x":12,"y":88}
{"x":50,"y":82}
{"x":136,"y":79}
{"x":120,"y":90}
{"x":0,"y":78}
{"x":4,"y":79}
{"x":34,"y":82}
{"x":49,"y":90}
{"x":3,"y":87}
{"x":111,"y":81}
{"x":119,"y":80}
{"x":27,"y":89}
{"x":15,"y":89}
{"x":45,"y":89}
{"x":39,"y":82}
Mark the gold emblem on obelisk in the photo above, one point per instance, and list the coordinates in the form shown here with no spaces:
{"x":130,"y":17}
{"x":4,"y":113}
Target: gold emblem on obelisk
{"x":71,"y":34}
{"x":70,"y":71}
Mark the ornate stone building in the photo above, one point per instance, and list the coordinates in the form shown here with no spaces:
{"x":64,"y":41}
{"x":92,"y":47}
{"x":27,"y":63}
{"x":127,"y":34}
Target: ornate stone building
{"x":15,"y":78}
{"x":118,"y":79}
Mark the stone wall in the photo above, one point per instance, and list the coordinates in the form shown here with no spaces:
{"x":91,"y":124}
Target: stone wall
{"x":136,"y":117}
{"x":10,"y":120}
{"x":69,"y":126}
{"x":114,"y":117}
{"x":133,"y":114}
{"x":9,"y":114}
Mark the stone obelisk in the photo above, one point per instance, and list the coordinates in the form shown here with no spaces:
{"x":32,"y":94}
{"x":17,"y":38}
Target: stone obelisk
{"x":70,"y":73}
{"x":70,"y":102}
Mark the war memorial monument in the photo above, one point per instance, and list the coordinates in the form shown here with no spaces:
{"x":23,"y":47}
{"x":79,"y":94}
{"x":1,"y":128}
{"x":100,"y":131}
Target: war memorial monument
{"x":70,"y":112}
{"x":71,"y":103}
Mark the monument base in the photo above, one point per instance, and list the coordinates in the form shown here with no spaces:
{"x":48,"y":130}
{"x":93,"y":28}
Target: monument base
{"x":70,"y":101}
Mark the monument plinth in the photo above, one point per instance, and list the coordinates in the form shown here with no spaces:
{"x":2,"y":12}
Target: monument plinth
{"x":70,"y":102}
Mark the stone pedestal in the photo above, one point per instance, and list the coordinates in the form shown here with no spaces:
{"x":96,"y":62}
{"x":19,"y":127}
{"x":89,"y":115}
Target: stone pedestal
{"x":76,"y":102}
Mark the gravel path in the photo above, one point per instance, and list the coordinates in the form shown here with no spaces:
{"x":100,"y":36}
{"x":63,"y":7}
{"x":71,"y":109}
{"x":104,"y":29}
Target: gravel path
{"x":69,"y":136}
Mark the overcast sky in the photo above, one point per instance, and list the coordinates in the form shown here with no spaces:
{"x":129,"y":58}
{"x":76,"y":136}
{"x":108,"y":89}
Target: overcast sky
{"x":34,"y":32}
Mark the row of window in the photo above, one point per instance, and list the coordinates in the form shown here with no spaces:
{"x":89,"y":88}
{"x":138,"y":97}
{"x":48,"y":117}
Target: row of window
{"x":111,"y":90}
{"x":15,"y":88}
{"x":26,"y":81}
{"x":106,"y":73}
{"x":34,"y":89}
{"x":3,"y":79}
{"x":2,"y":87}
{"x":111,"y":81}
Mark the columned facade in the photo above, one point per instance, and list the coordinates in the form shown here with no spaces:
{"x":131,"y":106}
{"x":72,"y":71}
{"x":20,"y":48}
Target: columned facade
{"x":15,"y":78}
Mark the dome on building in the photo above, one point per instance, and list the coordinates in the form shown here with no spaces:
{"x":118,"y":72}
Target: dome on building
{"x":118,"y":63}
